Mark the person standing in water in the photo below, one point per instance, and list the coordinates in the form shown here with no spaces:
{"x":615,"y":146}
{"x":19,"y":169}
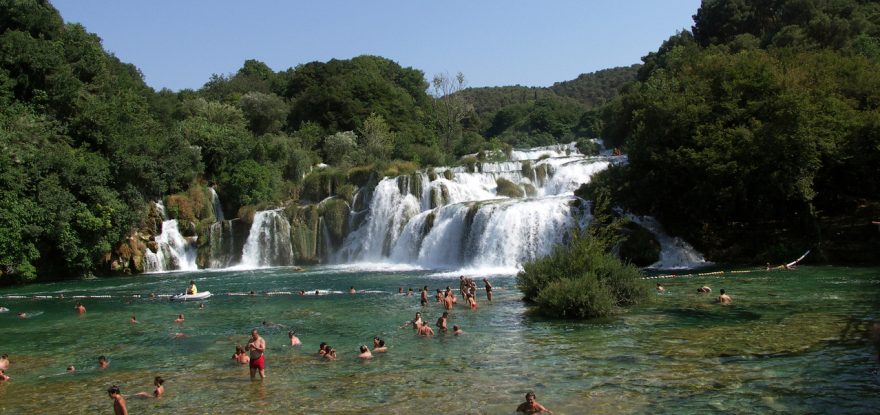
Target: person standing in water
{"x":118,"y":401}
{"x":257,"y":346}
{"x":488,"y":289}
{"x":531,"y":406}
{"x":4,"y":362}
{"x":441,"y":322}
{"x":79,"y":308}
{"x":365,"y":353}
{"x":424,"y":299}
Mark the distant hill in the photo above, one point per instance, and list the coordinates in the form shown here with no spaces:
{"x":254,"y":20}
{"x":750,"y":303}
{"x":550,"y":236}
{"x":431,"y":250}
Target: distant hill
{"x":589,"y":90}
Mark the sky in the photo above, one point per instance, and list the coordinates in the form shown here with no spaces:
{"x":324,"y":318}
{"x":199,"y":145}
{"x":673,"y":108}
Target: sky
{"x":179,"y":44}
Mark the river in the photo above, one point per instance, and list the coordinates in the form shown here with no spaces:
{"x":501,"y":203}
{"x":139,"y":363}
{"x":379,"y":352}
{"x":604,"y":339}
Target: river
{"x":791,"y":342}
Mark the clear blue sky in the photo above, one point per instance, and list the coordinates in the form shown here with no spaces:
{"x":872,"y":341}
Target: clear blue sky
{"x":180,"y":43}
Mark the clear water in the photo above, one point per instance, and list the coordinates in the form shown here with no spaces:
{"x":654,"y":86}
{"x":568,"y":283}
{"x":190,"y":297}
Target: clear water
{"x":792,"y":342}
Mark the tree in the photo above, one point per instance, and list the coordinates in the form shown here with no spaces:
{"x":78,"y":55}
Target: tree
{"x":266,"y":113}
{"x":339,"y":148}
{"x":376,"y":139}
{"x":450,"y":107}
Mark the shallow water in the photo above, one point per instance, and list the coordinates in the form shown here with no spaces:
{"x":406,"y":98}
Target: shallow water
{"x":792,"y":342}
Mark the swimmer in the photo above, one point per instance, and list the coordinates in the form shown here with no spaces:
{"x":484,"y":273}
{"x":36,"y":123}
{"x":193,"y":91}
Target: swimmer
{"x":71,"y":369}
{"x":133,"y":319}
{"x":424,"y":299}
{"x":379,"y":346}
{"x":410,"y":292}
{"x":456,"y":330}
{"x":118,"y":401}
{"x":179,"y":319}
{"x":158,"y":381}
{"x":365,"y":353}
{"x":488,"y":289}
{"x":704,"y":289}
{"x":441,"y":322}
{"x":531,"y":406}
{"x":322,"y":349}
{"x":724,"y":298}
{"x":660,"y":288}
{"x":425,"y":330}
{"x":201,"y":306}
{"x":240,"y":355}
{"x":3,"y":376}
{"x":22,"y":314}
{"x":178,"y":335}
{"x":4,"y":310}
{"x":79,"y":308}
{"x":4,"y":362}
{"x":352,"y":290}
{"x":302,"y":293}
{"x":439,"y":296}
{"x":317,"y":292}
{"x":294,"y":341}
{"x":331,"y":353}
{"x":102,"y":362}
{"x":400,"y":290}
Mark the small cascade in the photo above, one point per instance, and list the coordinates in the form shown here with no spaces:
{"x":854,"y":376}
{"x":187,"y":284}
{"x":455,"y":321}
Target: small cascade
{"x":218,"y":209}
{"x":675,"y":253}
{"x":268,"y":242}
{"x":175,"y":252}
{"x":225,"y":247}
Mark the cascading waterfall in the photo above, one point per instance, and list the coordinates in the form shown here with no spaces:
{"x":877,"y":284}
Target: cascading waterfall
{"x":175,"y":252}
{"x":459,"y":219}
{"x":268,"y":242}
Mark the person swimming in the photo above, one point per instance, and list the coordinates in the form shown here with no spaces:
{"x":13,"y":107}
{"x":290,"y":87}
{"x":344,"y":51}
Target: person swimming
{"x":704,"y":289}
{"x":4,"y":362}
{"x":102,"y":362}
{"x":456,"y":330}
{"x":241,"y":355}
{"x":3,"y":376}
{"x":179,"y":319}
{"x":660,"y":288}
{"x":424,"y":330}
{"x":331,"y":353}
{"x":379,"y":345}
{"x":133,"y":319}
{"x":724,"y":298}
{"x":365,"y":353}
{"x":531,"y":406}
{"x":294,"y":341}
{"x":157,"y":382}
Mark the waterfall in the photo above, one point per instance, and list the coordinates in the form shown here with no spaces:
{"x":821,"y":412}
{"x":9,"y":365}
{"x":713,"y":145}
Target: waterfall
{"x":675,"y":253}
{"x":268,"y":242}
{"x":218,"y":209}
{"x":174,"y":253}
{"x":460,"y":220}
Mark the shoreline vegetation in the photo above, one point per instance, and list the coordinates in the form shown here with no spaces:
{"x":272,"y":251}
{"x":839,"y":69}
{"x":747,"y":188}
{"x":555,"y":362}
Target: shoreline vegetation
{"x":754,"y":136}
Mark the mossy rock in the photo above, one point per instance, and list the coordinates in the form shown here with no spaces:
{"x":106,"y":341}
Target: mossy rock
{"x":508,"y":188}
{"x":527,"y":170}
{"x":304,"y":232}
{"x":362,"y":175}
{"x":530,"y":190}
{"x":640,"y":247}
{"x":432,"y":175}
{"x":471,"y":164}
{"x":541,"y":174}
{"x":448,"y":175}
{"x":335,"y":214}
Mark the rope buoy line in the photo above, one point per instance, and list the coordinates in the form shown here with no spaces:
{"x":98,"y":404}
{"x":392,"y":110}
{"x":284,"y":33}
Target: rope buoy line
{"x":231,"y":294}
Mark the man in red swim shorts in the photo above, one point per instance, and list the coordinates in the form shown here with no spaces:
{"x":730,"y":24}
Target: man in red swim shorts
{"x":256,"y":347}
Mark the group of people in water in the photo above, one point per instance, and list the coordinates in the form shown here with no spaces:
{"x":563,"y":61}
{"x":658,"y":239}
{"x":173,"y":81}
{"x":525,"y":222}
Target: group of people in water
{"x":723,"y":297}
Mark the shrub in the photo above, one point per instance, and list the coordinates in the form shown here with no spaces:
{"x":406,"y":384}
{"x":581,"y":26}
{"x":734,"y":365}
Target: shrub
{"x":400,"y":167}
{"x":581,"y":280}
{"x":581,"y":297}
{"x":361,"y":175}
{"x":471,"y":164}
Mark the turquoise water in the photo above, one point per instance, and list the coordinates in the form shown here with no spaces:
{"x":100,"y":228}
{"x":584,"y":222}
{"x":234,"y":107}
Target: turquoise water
{"x":792,"y":342}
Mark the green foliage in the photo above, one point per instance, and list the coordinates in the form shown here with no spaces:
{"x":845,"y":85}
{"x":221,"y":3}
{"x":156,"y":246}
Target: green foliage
{"x":250,"y":183}
{"x":321,"y":184}
{"x":508,"y":188}
{"x":266,"y":113}
{"x":335,"y":214}
{"x":376,"y":140}
{"x":339,"y":149}
{"x":576,"y":298}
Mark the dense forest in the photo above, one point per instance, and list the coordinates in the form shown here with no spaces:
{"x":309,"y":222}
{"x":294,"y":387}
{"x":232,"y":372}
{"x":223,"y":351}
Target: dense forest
{"x":86,"y":144}
{"x":756,"y":133}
